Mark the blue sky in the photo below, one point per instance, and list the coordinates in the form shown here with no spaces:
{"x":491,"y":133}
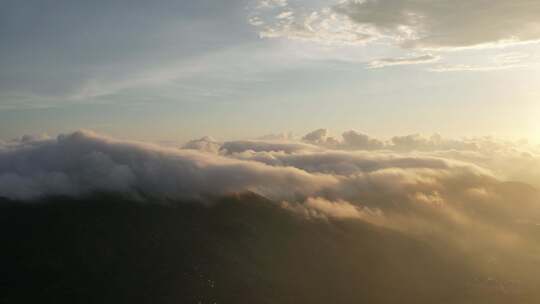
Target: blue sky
{"x":175,"y":70}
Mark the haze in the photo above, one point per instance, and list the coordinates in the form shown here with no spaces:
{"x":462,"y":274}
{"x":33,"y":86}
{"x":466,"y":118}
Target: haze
{"x":270,"y":151}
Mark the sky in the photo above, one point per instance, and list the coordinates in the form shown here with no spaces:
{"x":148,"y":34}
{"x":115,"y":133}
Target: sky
{"x":176,"y":70}
{"x":419,"y":117}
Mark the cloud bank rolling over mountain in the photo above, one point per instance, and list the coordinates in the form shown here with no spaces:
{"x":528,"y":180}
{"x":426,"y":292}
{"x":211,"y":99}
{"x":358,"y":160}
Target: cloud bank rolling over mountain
{"x":156,"y":213}
{"x":458,"y":196}
{"x":84,"y":162}
{"x":364,"y":177}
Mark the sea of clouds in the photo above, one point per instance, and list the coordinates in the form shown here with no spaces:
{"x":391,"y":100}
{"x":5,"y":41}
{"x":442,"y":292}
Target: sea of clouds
{"x":476,"y":193}
{"x":478,"y":196}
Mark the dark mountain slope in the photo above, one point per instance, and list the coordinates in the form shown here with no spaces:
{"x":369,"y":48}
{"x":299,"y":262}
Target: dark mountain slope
{"x":243,"y":249}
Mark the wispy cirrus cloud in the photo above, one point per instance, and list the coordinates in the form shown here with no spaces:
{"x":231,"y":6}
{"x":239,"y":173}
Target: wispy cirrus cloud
{"x":296,"y":22}
{"x":445,"y":24}
{"x":502,"y":61}
{"x":435,"y":26}
{"x":421,"y":59}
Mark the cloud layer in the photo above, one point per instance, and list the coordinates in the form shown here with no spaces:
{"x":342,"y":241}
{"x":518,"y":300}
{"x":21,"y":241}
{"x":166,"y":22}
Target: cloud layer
{"x":318,"y":165}
{"x":438,"y":24}
{"x":336,"y":177}
{"x":447,"y":24}
{"x":460,"y":193}
{"x":384,"y":62}
{"x":83,"y":162}
{"x":420,"y":30}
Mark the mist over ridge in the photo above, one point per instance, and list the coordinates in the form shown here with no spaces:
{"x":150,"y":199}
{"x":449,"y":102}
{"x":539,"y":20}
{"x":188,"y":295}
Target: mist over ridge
{"x":444,"y":200}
